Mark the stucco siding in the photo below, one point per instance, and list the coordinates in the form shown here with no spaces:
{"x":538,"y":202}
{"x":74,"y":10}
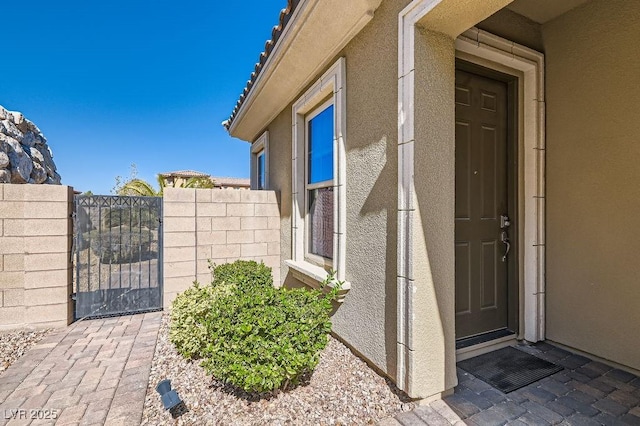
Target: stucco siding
{"x":514,"y":27}
{"x":367,"y":318}
{"x":433,"y":230}
{"x":280,"y":180}
{"x":593,"y":195}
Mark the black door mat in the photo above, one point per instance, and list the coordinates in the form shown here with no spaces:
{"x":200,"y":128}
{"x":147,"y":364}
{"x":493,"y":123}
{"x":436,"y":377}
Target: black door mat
{"x":508,"y":369}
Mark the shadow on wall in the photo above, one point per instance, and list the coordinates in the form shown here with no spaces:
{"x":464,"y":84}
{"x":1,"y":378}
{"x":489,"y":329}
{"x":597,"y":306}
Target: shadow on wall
{"x":383,"y":199}
{"x":379,"y":200}
{"x":434,"y":176}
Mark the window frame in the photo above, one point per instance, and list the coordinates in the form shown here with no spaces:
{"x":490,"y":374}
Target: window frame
{"x":328,"y":89}
{"x":258,"y":148}
{"x":261,"y":172}
{"x":313,"y":258}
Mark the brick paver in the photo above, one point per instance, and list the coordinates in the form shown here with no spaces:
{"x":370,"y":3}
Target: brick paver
{"x":585,"y":393}
{"x":92,"y":372}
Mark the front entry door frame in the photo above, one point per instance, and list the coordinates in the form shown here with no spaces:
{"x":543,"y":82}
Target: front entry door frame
{"x":511,"y":288}
{"x":493,"y":52}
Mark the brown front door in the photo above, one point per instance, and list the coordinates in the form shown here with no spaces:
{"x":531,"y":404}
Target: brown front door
{"x":482,"y":197}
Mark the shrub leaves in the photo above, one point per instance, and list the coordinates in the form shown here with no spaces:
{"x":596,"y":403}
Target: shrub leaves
{"x":248,"y":333}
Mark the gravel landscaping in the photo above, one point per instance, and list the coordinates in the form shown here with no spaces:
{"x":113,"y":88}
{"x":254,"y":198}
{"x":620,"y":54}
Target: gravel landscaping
{"x":14,"y":344}
{"x":342,"y":390}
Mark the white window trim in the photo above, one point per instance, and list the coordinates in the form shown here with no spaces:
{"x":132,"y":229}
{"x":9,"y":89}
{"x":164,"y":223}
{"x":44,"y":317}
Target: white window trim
{"x":260,"y":145}
{"x":330,"y":85}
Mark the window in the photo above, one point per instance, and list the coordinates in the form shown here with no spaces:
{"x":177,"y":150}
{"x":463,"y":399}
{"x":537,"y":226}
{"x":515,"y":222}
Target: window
{"x":260,"y":162}
{"x":319,"y":184}
{"x":261,"y":175}
{"x":319,"y":178}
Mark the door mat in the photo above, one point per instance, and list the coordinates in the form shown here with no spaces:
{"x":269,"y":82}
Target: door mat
{"x":508,"y":369}
{"x":465,"y":342}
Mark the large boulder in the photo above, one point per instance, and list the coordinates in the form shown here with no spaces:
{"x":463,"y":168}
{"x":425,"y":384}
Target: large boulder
{"x":4,"y":160}
{"x":25,"y":156}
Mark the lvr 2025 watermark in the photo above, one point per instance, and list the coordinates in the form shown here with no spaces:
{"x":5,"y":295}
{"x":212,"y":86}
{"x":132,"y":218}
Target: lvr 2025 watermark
{"x":31,"y":414}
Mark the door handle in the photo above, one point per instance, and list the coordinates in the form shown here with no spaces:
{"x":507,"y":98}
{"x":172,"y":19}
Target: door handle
{"x":505,"y":239}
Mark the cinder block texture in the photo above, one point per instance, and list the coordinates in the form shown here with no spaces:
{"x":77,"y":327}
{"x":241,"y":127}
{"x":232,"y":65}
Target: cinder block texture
{"x":217,"y":224}
{"x":212,"y":209}
{"x":171,"y":195}
{"x":35,"y":251}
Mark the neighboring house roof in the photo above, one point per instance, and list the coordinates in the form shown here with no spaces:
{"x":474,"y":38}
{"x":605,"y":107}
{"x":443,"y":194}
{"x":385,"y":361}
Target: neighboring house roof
{"x":285,"y":15}
{"x":231,"y":181}
{"x":219,"y":181}
{"x":184,"y":174}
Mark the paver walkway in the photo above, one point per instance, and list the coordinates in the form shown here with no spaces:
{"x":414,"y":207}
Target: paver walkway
{"x":92,"y":372}
{"x":584,"y":393}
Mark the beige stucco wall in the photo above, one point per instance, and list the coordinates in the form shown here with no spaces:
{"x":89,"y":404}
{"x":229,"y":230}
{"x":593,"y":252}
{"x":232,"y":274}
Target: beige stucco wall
{"x":221,"y":225}
{"x":280,"y":180}
{"x":433,"y":236}
{"x":367,"y":318}
{"x":593,"y":191}
{"x":35,"y":253}
{"x":514,"y":27}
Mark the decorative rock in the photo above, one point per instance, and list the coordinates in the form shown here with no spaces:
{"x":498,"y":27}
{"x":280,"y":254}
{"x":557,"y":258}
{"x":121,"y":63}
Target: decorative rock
{"x":4,"y":160}
{"x":36,"y":155}
{"x":30,"y":139}
{"x":28,"y":126}
{"x":55,"y":180}
{"x":40,"y":139}
{"x":38,"y":174}
{"x":48,"y":163}
{"x":18,"y":118}
{"x":8,"y":128}
{"x":25,"y":156}
{"x":21,"y":166}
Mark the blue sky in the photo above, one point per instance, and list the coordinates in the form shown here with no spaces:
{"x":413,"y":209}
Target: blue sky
{"x":116,"y":82}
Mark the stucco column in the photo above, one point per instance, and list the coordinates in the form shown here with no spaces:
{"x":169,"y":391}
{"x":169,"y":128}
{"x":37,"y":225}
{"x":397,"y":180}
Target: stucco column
{"x":433,"y":329}
{"x":426,"y":190}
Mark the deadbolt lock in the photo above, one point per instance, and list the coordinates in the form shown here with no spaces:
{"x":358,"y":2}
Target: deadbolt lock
{"x":505,"y":222}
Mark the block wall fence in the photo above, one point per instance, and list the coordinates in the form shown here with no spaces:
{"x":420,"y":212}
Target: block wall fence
{"x":36,"y":238}
{"x":35,"y":255}
{"x":223,"y":225}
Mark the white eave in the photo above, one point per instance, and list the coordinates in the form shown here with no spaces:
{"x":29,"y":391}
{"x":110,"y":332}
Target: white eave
{"x":314,"y":35}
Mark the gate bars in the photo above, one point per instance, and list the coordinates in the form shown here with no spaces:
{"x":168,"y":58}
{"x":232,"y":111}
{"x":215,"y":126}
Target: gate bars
{"x":118,"y":255}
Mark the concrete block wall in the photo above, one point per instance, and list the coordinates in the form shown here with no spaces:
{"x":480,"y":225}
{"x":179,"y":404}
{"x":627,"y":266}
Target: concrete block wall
{"x":223,"y":225}
{"x":36,"y":233}
{"x":35,"y":256}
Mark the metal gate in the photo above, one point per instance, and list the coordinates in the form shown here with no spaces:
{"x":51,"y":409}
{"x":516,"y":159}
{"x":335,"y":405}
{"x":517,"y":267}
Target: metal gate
{"x":118,"y":255}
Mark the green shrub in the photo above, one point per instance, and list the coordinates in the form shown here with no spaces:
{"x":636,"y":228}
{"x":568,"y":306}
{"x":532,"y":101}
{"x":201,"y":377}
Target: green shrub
{"x":243,"y":273}
{"x":187,"y":331}
{"x":129,"y":216}
{"x":121,"y":245}
{"x":250,"y":334}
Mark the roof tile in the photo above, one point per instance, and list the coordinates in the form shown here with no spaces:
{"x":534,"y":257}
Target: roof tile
{"x":276,"y":32}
